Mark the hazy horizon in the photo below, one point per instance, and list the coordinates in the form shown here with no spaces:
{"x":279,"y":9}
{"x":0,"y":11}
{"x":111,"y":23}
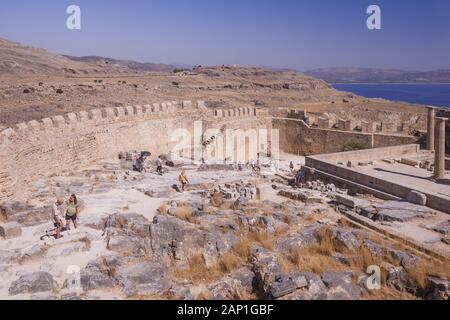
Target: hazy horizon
{"x":288,"y":34}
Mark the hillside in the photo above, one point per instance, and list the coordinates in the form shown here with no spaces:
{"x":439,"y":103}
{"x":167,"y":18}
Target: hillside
{"x":35,"y":84}
{"x":20,"y":60}
{"x":133,"y":65}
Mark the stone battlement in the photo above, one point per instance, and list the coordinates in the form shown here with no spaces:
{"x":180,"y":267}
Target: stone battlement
{"x":236,"y":112}
{"x":99,"y":116}
{"x":62,"y":143}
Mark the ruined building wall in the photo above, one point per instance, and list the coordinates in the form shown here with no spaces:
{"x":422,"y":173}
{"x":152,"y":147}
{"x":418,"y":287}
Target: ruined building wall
{"x":61,"y":144}
{"x":299,"y":138}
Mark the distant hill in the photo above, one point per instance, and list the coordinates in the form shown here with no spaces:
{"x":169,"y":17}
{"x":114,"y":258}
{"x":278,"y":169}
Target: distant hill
{"x":370,"y":75}
{"x":133,"y":65}
{"x":20,"y":60}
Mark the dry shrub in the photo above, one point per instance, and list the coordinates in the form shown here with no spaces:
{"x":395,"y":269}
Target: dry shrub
{"x":163,"y":209}
{"x":197,"y":271}
{"x":242,"y":295}
{"x":281,"y":231}
{"x":3,"y":217}
{"x":286,"y":264}
{"x":229,"y":262}
{"x":388,"y":293}
{"x":242,"y":248}
{"x":419,"y":271}
{"x":184,"y":213}
{"x":310,"y":259}
{"x":217,"y":200}
{"x":263,"y":238}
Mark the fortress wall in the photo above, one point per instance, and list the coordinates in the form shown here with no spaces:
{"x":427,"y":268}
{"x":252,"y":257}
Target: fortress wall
{"x":63,"y":143}
{"x":298,"y":138}
{"x":385,"y":140}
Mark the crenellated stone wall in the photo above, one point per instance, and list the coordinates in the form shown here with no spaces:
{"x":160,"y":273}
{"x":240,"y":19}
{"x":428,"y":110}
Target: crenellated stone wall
{"x":63,"y":143}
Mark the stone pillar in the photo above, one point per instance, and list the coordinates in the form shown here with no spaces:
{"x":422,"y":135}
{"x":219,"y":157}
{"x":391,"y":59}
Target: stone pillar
{"x":431,"y":128}
{"x":439,"y":157}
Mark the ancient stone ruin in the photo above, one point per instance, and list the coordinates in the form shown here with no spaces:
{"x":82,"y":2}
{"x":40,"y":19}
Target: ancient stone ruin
{"x":254,"y":227}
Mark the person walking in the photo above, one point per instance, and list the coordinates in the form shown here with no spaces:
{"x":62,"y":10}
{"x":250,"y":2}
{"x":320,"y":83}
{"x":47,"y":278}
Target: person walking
{"x":57,"y":217}
{"x":183,"y":180}
{"x":159,"y":168}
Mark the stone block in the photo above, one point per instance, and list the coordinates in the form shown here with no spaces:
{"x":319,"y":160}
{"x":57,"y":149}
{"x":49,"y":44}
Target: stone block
{"x":10,"y":230}
{"x":417,"y":198}
{"x":352,"y":202}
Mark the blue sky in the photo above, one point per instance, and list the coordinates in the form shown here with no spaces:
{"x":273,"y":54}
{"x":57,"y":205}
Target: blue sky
{"x":296,"y":34}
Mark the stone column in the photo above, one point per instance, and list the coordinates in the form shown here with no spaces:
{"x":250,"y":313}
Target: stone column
{"x":431,"y":128}
{"x":439,"y":157}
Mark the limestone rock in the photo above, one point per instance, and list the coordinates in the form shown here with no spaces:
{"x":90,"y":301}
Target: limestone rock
{"x":125,"y":244}
{"x":133,"y":223}
{"x":93,"y":277}
{"x":173,"y":238}
{"x":299,"y":239}
{"x":438,"y":289}
{"x":33,"y":283}
{"x":145,"y":278}
{"x":266,"y":267}
{"x":443,"y":227}
{"x":340,"y":286}
{"x":351,"y":202}
{"x":226,"y":289}
{"x":400,"y":211}
{"x":10,"y":230}
{"x":285,"y":284}
{"x":417,"y":198}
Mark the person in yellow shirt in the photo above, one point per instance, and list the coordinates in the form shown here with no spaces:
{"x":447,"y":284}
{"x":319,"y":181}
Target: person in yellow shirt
{"x":183,"y":180}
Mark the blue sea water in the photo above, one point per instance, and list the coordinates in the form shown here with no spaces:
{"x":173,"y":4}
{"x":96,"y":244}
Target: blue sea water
{"x":429,"y":94}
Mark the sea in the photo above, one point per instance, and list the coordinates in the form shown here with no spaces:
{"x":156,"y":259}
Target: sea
{"x":429,"y":94}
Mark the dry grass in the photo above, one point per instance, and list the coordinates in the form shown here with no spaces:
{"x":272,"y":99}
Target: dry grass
{"x":242,"y":248}
{"x":229,"y":262}
{"x":309,"y":259}
{"x":263,"y":238}
{"x":419,"y":271}
{"x":217,"y":200}
{"x":388,"y":293}
{"x":162,"y":209}
{"x":184,"y":213}
{"x":3,"y":217}
{"x":199,"y":272}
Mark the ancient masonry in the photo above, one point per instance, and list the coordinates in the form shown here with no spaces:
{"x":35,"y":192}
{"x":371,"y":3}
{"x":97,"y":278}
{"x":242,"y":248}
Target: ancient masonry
{"x":63,"y":143}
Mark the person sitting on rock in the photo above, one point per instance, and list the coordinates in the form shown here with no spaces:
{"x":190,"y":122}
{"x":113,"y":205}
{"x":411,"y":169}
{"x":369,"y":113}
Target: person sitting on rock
{"x":183,"y":180}
{"x":138,"y":164}
{"x":57,"y":217}
{"x":72,"y":212}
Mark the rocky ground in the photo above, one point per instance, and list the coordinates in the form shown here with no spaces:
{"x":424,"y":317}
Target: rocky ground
{"x":231,"y":235}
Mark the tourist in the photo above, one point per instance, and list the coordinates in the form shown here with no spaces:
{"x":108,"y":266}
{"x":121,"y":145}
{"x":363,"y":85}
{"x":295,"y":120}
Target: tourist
{"x":298,"y":178}
{"x":57,"y":216}
{"x":291,"y":166}
{"x":72,"y":212}
{"x":159,"y":168}
{"x":138,"y":164}
{"x":183,"y":180}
